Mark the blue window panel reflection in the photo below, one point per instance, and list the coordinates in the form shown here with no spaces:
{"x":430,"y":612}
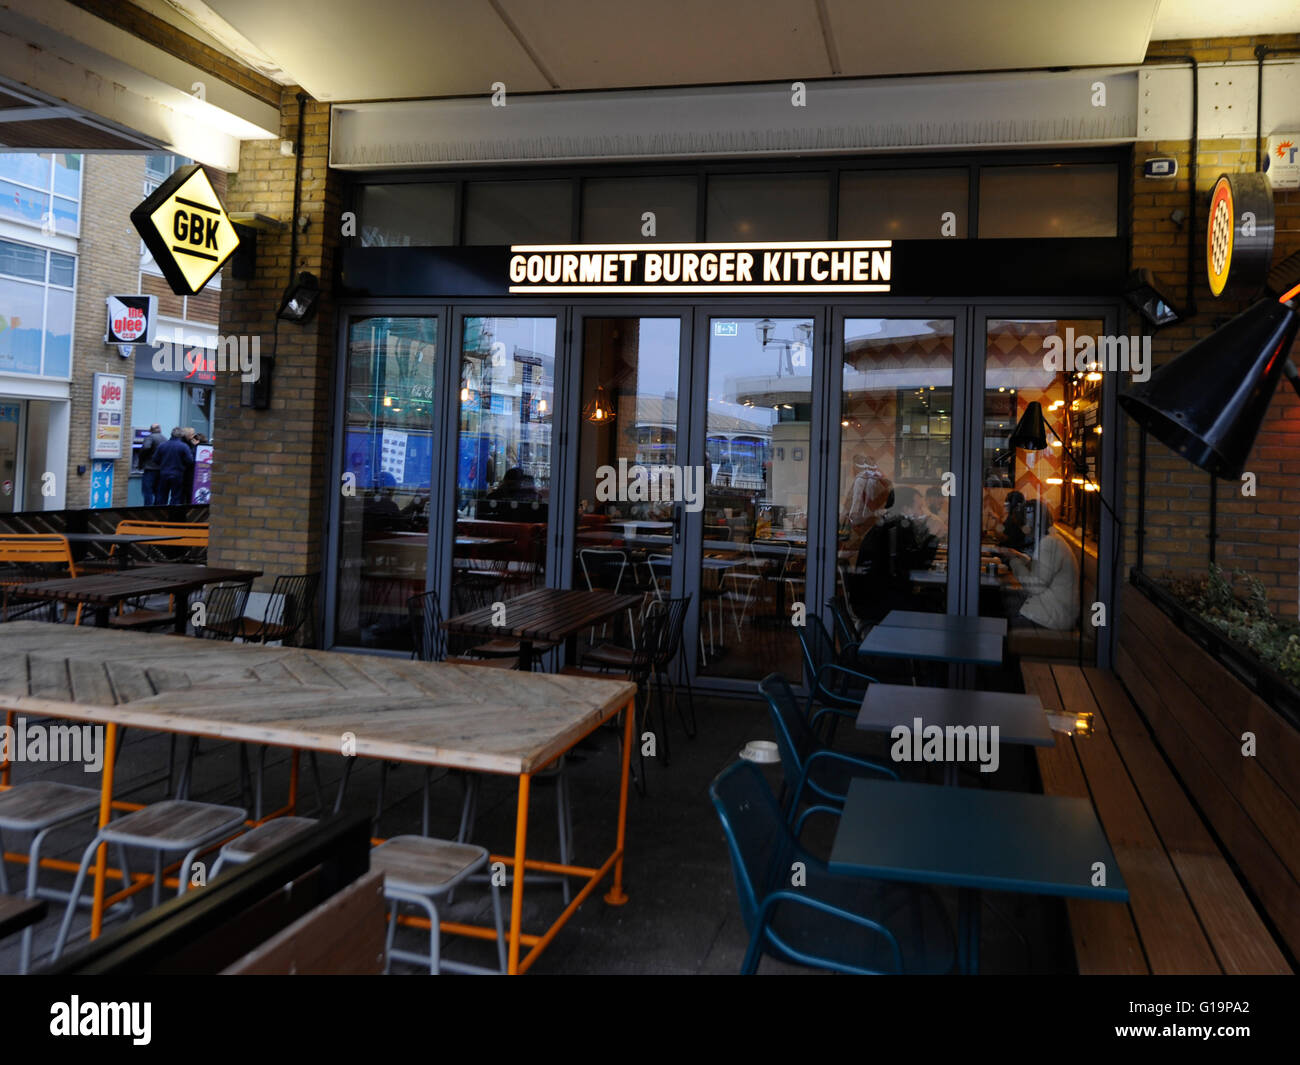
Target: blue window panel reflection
{"x":58,"y":333}
{"x":67,"y":175}
{"x":65,"y":215}
{"x":29,"y":169}
{"x":22,"y":204}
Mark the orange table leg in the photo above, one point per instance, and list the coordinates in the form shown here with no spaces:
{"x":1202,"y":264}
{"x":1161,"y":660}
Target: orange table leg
{"x":616,"y":896}
{"x":6,"y":764}
{"x":517,"y":888}
{"x":105,"y":814}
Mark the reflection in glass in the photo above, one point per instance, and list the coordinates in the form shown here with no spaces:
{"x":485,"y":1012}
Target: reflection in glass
{"x":1059,"y":200}
{"x":388,"y":462}
{"x":903,"y":204}
{"x":625,"y":543}
{"x":503,"y":471}
{"x":895,"y":455}
{"x":1040,"y":512}
{"x":754,"y":561}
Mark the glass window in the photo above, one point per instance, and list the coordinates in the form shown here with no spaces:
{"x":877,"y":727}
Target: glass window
{"x":63,"y":269}
{"x":758,"y":442}
{"x":27,"y":168}
{"x":67,"y":175}
{"x":196,"y":409}
{"x":613,"y":209}
{"x":58,"y":332}
{"x":1059,"y":200}
{"x":21,"y":331}
{"x":768,"y":207}
{"x":401,"y":215}
{"x":903,"y":204}
{"x":1041,"y":511}
{"x":22,"y":260}
{"x":11,"y":414}
{"x":895,"y":447}
{"x":65,"y":215}
{"x":503,"y":471}
{"x":388,"y":441}
{"x":23,"y":204}
{"x":159,"y":166}
{"x":518,"y":212}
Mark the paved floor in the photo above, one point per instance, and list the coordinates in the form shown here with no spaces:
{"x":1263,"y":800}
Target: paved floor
{"x":682,"y":915}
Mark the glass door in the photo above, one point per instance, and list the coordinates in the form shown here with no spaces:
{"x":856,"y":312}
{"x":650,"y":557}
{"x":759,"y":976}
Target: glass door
{"x":1040,"y":516}
{"x":631,"y":484}
{"x":387,"y":465}
{"x":893,"y":478}
{"x":759,"y":470}
{"x":505,"y":402}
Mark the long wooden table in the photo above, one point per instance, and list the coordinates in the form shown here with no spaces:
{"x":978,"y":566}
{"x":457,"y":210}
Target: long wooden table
{"x":103,"y":591}
{"x":544,"y":615}
{"x":425,"y":713}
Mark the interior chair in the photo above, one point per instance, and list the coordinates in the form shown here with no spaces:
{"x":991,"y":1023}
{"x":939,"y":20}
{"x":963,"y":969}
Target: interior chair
{"x":837,"y":688}
{"x":604,"y":568}
{"x":834,"y":921}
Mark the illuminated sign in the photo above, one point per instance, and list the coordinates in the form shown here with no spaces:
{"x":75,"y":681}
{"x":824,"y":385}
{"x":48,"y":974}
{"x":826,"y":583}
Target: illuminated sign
{"x":781,"y":267}
{"x":131,"y":319}
{"x":186,"y":229}
{"x":1239,"y":235}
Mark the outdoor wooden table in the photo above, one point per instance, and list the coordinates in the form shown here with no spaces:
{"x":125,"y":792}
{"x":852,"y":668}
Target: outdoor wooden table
{"x":975,"y":840}
{"x":424,"y":713}
{"x":1020,"y":719}
{"x":117,"y":540}
{"x":545,"y":615}
{"x":103,"y":591}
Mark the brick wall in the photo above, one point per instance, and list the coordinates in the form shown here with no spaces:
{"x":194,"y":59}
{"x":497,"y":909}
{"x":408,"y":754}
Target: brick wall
{"x":108,"y":263}
{"x":269,"y":480}
{"x":1260,"y":535}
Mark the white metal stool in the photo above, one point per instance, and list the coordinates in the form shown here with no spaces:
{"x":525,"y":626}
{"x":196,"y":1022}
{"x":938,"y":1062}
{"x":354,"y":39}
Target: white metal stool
{"x":421,"y":871}
{"x":267,"y":837}
{"x":165,"y":827}
{"x":39,"y":808}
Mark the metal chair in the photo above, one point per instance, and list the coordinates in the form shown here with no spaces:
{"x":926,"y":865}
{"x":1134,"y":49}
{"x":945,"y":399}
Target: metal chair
{"x":39,"y":808}
{"x":603,"y":560}
{"x":223,"y":608}
{"x":831,"y":921}
{"x":422,"y":872}
{"x":288,"y":609}
{"x":163,"y":828}
{"x":836,"y":687}
{"x":806,"y":763}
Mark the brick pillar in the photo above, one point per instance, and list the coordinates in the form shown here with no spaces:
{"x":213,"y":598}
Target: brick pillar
{"x":269,"y":474}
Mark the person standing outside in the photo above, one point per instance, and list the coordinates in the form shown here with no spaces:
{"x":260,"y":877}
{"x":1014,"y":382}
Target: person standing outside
{"x":175,"y":463}
{"x":149,"y":466}
{"x":191,"y":439}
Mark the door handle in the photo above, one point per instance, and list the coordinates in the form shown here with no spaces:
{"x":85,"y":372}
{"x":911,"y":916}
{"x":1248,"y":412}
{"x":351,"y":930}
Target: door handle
{"x":677,"y":524}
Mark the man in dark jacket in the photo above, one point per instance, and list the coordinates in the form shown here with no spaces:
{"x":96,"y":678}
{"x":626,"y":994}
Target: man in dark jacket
{"x":174,"y":460}
{"x":149,"y":465}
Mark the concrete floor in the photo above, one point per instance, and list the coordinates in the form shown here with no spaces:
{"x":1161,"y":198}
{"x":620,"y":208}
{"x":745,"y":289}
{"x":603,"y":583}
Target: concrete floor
{"x":682,"y":914}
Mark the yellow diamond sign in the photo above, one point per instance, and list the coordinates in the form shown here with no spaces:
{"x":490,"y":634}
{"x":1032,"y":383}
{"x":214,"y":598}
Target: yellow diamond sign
{"x":186,"y":229}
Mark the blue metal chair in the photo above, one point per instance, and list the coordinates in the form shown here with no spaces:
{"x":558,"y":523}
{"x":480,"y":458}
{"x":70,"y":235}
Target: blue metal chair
{"x":806,"y":763}
{"x":830,"y":920}
{"x":835,"y":686}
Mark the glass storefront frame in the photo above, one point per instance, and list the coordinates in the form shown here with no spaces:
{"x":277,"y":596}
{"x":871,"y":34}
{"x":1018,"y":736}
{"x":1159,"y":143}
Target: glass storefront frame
{"x":970,"y":322}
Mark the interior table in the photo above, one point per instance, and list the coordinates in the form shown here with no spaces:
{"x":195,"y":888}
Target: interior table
{"x":103,"y":591}
{"x":919,"y":619}
{"x":1020,"y":719}
{"x":544,"y":615}
{"x":975,"y":840}
{"x":397,"y":710}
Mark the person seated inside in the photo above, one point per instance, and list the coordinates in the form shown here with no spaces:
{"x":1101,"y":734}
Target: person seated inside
{"x":1047,"y":571}
{"x":1013,"y":521}
{"x":515,"y":485}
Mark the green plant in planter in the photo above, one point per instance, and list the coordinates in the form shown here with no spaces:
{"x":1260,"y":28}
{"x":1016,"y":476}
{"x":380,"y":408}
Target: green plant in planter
{"x":1246,"y":620}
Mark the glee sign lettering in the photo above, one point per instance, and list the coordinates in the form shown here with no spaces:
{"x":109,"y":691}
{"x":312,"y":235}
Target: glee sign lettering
{"x":789,"y":267}
{"x":186,"y":229}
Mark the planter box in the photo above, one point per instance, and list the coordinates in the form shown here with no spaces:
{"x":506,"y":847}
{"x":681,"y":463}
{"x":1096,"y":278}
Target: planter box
{"x":1238,"y":660}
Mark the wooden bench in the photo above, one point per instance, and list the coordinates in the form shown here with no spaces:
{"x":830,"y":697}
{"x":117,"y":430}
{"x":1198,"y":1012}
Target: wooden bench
{"x":28,"y":557}
{"x":17,"y":912}
{"x":1188,"y":910}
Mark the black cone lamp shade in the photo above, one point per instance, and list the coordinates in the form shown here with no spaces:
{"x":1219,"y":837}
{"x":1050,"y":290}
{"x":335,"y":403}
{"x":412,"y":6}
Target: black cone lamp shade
{"x":1209,"y":403}
{"x":1030,"y":433}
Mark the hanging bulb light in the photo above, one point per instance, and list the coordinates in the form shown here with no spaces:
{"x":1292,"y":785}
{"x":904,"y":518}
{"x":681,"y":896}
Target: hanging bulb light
{"x":598,"y":409}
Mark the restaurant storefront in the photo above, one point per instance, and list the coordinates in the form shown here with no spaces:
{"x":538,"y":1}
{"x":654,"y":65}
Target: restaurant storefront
{"x":680,"y":381}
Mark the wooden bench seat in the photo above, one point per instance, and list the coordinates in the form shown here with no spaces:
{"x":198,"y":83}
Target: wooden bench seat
{"x":1187,"y":911}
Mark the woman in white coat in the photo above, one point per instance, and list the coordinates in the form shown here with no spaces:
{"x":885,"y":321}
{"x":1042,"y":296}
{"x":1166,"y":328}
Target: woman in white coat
{"x":1047,"y":571}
